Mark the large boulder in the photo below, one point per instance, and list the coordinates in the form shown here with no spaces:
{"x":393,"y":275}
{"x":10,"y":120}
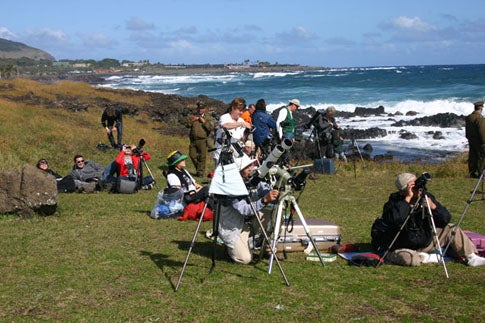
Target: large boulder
{"x":28,"y":190}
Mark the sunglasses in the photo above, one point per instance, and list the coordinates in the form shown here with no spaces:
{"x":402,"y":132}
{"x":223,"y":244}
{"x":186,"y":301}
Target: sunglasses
{"x":79,"y":161}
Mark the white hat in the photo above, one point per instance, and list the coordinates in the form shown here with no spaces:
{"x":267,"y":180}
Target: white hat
{"x":249,"y":143}
{"x":402,"y":180}
{"x":243,"y":162}
{"x":295,"y":102}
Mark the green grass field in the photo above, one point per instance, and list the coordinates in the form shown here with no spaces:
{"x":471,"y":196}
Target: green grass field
{"x":101,"y":258}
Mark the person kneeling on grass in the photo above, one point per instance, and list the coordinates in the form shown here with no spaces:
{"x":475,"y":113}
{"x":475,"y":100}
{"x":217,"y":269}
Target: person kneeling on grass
{"x":416,"y":240}
{"x":237,"y":215}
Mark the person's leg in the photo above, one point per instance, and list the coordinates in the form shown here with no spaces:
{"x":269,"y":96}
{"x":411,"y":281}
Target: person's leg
{"x":120,"y":134}
{"x":109,"y":171}
{"x":241,"y":253}
{"x":461,"y":245}
{"x":193,"y":152}
{"x":202,"y":156}
{"x":473,"y":157}
{"x":111,"y":138}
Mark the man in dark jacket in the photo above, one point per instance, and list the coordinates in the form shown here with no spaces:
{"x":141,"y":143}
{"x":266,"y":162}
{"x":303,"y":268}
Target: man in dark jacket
{"x":475,"y":133}
{"x":417,"y":234}
{"x":112,"y":121}
{"x":264,"y":125}
{"x":87,"y":174}
{"x":324,"y":125}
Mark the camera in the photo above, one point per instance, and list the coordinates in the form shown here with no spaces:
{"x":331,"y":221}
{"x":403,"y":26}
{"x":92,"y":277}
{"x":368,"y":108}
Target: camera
{"x":421,"y":181}
{"x":139,"y":149}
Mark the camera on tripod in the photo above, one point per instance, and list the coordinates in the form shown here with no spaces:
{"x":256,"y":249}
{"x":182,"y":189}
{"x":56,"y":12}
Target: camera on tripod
{"x":139,"y":148}
{"x":422,"y":180}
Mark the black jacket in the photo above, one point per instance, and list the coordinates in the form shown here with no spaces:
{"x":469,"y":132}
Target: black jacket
{"x":417,"y":233}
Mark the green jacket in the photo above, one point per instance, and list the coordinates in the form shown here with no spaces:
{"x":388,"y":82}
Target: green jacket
{"x":475,"y":127}
{"x":201,"y":130}
{"x":289,"y":124}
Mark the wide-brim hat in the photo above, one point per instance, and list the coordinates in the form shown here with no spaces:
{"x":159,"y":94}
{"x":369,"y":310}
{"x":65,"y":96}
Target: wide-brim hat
{"x":478,"y":104}
{"x":243,"y":162}
{"x":295,"y":102}
{"x":175,"y":157}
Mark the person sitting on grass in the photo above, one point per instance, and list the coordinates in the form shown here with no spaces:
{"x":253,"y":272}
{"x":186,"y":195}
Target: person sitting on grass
{"x":416,"y":237}
{"x":178,"y":177}
{"x":64,"y":184}
{"x":128,"y":163}
{"x":87,"y":175}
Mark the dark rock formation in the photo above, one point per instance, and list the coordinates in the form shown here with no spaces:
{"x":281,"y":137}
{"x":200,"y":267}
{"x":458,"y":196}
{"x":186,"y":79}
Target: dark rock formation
{"x":443,"y":120}
{"x":28,"y":190}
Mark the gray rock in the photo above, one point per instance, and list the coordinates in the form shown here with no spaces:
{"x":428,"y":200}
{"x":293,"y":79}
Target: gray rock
{"x":27,"y":191}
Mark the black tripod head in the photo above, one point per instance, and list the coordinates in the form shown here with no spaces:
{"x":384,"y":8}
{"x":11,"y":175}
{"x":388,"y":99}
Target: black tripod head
{"x":139,"y":148}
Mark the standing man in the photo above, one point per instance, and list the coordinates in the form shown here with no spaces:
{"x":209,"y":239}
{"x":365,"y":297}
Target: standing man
{"x":286,"y":124}
{"x":475,"y":133}
{"x":112,"y":121}
{"x":201,"y":125}
{"x":326,"y":127}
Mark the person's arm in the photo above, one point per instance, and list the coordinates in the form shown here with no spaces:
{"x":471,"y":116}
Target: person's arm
{"x":231,"y":124}
{"x":396,"y":210}
{"x":270,"y":122}
{"x":281,"y":117}
{"x":104,"y":117}
{"x":146,"y":156}
{"x":173,"y":181}
{"x":441,"y":215}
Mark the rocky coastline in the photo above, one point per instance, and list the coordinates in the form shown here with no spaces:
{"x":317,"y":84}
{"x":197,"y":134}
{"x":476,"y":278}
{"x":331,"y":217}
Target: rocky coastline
{"x":170,"y":112}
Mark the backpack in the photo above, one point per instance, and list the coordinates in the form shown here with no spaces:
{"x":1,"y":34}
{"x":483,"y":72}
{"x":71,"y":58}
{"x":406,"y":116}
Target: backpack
{"x":169,"y":204}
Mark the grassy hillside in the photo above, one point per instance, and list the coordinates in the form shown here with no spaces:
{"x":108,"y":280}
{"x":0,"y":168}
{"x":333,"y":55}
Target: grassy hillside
{"x":100,"y":257}
{"x":15,"y":50}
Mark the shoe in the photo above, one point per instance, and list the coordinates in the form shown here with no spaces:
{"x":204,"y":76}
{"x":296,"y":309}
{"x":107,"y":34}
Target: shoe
{"x":474,"y":175}
{"x":475,"y":261}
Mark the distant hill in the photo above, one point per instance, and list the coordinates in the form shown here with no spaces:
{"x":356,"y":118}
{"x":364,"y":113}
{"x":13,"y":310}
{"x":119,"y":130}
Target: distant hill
{"x":15,"y":50}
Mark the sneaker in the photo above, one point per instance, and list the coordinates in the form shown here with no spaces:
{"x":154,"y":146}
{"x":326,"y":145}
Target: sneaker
{"x":475,"y":261}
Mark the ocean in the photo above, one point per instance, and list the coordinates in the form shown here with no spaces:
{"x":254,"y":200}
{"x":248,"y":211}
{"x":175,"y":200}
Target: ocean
{"x":426,"y":90}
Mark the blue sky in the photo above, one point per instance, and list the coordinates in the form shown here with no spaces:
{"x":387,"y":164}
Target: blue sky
{"x":316,"y":33}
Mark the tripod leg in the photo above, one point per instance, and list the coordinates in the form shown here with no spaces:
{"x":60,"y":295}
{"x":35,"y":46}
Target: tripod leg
{"x":191,"y":246}
{"x":266,"y":238}
{"x":215,"y":234}
{"x":436,"y":240}
{"x":307,"y":230}
{"x":276,"y":232}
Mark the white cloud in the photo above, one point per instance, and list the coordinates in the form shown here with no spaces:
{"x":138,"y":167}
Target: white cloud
{"x":412,"y":24}
{"x":7,"y":34}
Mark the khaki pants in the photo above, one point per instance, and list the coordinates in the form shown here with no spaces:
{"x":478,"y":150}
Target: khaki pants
{"x":241,"y":252}
{"x":461,"y":245}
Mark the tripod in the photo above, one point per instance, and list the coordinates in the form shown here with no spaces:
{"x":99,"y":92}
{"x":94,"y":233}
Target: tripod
{"x":287,"y":197}
{"x":423,"y":202}
{"x":469,"y":202}
{"x":355,"y":146}
{"x":143,"y":162}
{"x":215,"y":229}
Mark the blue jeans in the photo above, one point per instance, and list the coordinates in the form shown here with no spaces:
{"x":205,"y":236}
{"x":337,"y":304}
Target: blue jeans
{"x":109,"y":173}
